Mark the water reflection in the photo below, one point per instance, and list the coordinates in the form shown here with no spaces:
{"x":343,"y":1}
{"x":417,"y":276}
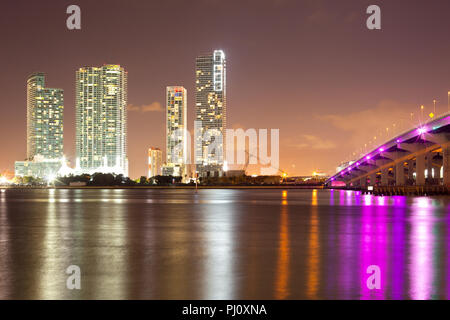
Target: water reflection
{"x":5,"y":249}
{"x":373,"y":249}
{"x":222,"y":244}
{"x":218,"y":282}
{"x":313,"y":250}
{"x":282,"y":271}
{"x":422,"y":244}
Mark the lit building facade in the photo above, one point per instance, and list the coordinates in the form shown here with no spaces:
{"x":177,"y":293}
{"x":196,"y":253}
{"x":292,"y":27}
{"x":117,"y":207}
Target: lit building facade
{"x":210,"y":111}
{"x":45,"y":115}
{"x":101,"y":119}
{"x":45,"y":112}
{"x":154,"y":162}
{"x":176,"y":131}
{"x":46,"y":169}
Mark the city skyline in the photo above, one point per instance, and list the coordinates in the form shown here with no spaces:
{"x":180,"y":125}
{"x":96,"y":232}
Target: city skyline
{"x":318,"y":94}
{"x":225,"y":154}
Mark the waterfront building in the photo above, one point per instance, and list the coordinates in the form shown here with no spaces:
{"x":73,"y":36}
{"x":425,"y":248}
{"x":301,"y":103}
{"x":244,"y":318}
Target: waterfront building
{"x":210,"y":113}
{"x":38,"y":167}
{"x":45,"y":114}
{"x":176,"y":131}
{"x":101,"y":119}
{"x":154,"y":162}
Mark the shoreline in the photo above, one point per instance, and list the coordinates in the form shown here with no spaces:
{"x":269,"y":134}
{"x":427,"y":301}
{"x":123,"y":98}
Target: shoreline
{"x":163,"y":187}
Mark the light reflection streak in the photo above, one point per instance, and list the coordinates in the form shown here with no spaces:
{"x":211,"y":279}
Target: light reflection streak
{"x":282,"y":271}
{"x":399,"y":247}
{"x":347,"y":253}
{"x":313,"y":251}
{"x":373,"y":248}
{"x":5,"y":248}
{"x":341,"y":197}
{"x":52,"y":248}
{"x":422,"y":245}
{"x":367,"y":200}
{"x":220,"y":244}
{"x":331,"y":197}
{"x":111,"y":234}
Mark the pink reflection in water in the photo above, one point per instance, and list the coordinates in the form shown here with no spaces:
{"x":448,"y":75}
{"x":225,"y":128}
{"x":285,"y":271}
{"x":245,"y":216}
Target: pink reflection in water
{"x":422,"y":245}
{"x":398,"y":242}
{"x":373,"y":249}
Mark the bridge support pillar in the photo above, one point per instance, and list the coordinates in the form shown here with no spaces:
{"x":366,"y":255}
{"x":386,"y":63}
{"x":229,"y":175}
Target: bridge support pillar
{"x":443,"y":139}
{"x":363,"y":182}
{"x":430,"y":166}
{"x":385,"y":176}
{"x":384,"y":171}
{"x":399,"y":174}
{"x":446,"y":156}
{"x":399,"y":168}
{"x":411,"y":169}
{"x":420,"y":170}
{"x":373,"y":179}
{"x":437,"y":171}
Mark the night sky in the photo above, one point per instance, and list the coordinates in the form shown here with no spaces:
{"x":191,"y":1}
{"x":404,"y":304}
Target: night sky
{"x":309,"y":68}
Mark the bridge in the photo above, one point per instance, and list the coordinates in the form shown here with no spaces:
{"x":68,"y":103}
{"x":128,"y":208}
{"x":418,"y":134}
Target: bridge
{"x":417,"y":157}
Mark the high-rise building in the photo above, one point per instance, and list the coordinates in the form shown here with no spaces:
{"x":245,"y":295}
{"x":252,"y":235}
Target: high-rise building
{"x":210,"y":111}
{"x":45,"y":113}
{"x":154,"y":162}
{"x":101,"y":119}
{"x":176,"y":131}
{"x":45,"y":107}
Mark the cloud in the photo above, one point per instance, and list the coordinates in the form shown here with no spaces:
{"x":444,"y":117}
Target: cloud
{"x":383,"y":121}
{"x":133,"y":108}
{"x":153,"y":107}
{"x":386,"y":113}
{"x":308,"y":141}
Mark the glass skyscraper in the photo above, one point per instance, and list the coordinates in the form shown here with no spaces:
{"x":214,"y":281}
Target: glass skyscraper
{"x":45,"y":112}
{"x":176,"y":131}
{"x":210,"y":111}
{"x":101,"y":119}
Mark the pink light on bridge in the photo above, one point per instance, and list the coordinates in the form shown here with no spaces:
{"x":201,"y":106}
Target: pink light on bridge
{"x":421,"y":130}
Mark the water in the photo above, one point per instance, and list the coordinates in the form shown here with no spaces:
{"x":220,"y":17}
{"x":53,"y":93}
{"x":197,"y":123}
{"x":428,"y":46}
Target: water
{"x":222,"y":244}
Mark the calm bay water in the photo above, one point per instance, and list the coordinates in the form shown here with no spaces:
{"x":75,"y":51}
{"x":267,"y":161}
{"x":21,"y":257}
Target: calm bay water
{"x":222,"y":244}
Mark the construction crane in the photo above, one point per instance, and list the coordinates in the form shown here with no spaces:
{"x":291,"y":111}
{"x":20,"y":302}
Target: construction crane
{"x":247,"y":160}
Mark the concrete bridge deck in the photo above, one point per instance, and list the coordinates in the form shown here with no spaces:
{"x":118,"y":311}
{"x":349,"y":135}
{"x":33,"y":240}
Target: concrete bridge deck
{"x":417,"y":157}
